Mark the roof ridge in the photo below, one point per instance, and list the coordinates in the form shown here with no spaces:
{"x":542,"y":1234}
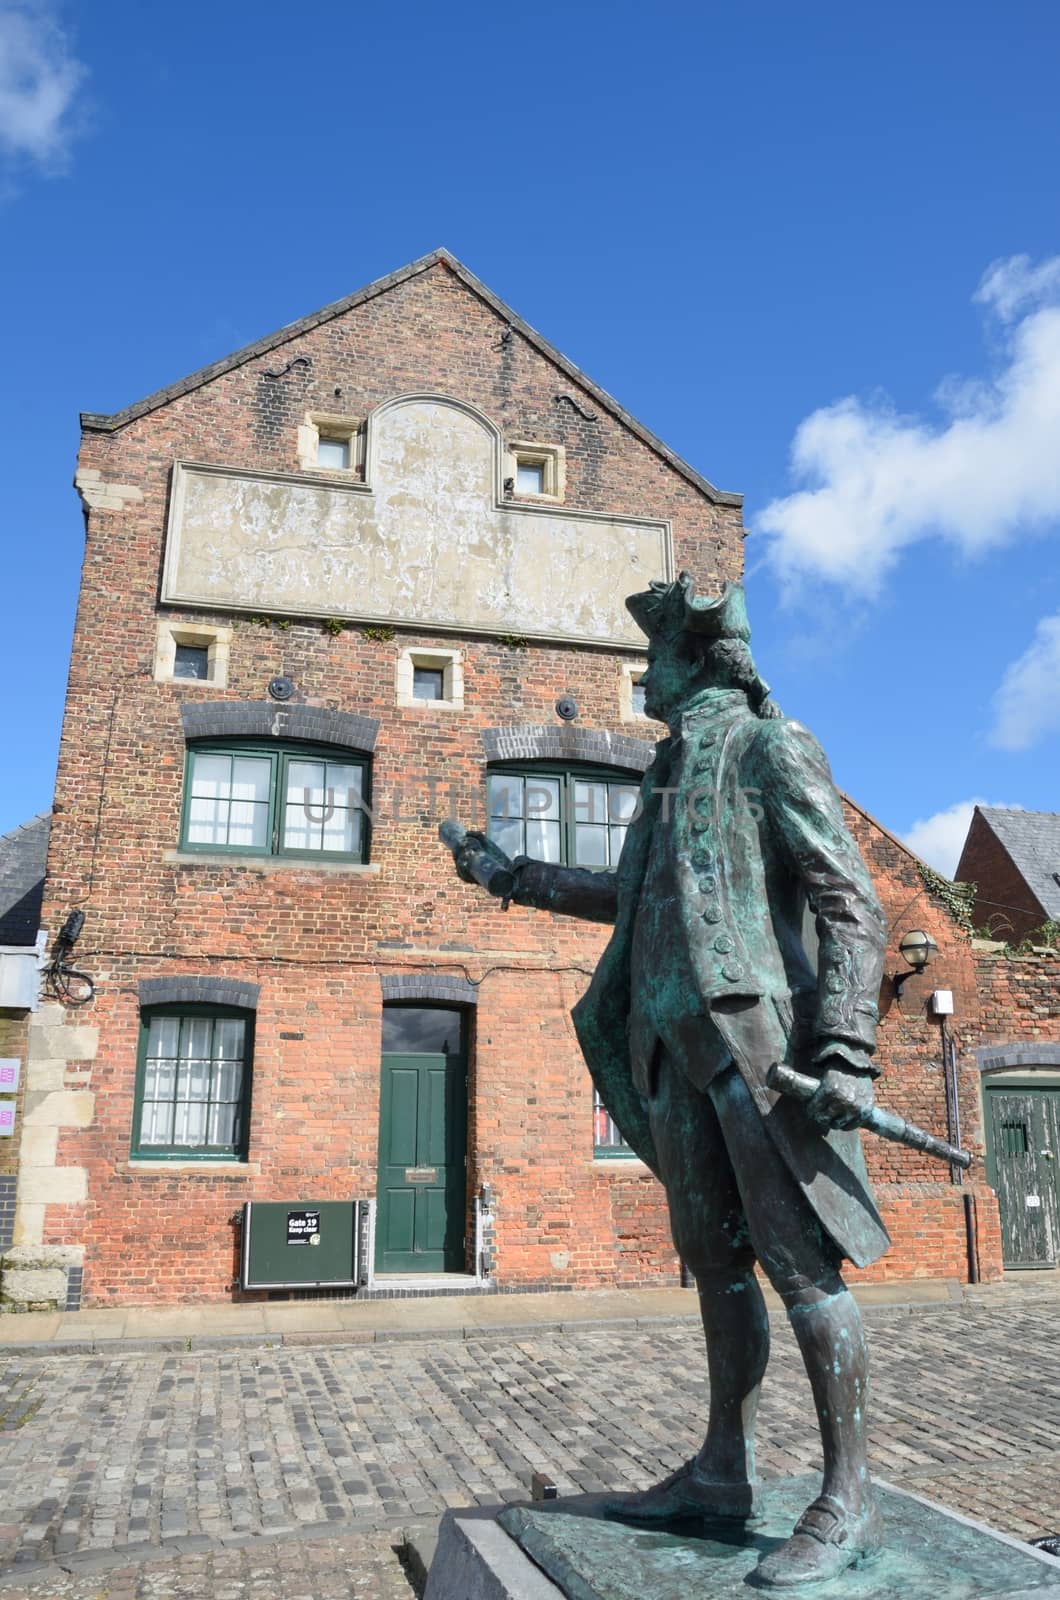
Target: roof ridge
{"x":101,"y":422}
{"x":20,"y":827}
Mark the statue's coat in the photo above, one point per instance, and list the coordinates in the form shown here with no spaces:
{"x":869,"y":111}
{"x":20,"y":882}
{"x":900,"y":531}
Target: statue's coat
{"x":759,"y":833}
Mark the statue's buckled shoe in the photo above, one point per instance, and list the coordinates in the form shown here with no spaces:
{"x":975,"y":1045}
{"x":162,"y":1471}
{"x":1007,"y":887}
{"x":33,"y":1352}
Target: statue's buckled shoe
{"x":827,"y":1541}
{"x":685,"y":1496}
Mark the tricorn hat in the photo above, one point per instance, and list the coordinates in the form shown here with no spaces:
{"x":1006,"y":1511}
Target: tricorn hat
{"x":666,"y":610}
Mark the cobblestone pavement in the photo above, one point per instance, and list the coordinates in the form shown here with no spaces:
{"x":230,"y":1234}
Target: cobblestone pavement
{"x":329,"y":1450}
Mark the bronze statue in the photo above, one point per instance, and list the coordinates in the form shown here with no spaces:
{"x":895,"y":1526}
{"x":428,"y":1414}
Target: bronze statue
{"x":705,"y":984}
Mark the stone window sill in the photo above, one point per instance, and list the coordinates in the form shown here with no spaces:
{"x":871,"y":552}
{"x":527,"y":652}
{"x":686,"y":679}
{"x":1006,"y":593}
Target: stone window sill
{"x":198,"y":1169}
{"x":612,"y":1166}
{"x":202,"y":858}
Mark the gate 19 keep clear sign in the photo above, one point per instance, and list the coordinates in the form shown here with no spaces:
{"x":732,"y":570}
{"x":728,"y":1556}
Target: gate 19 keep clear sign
{"x":303,"y":1227}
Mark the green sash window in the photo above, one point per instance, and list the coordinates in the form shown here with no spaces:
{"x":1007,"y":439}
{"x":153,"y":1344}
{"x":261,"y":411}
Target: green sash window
{"x":293,"y":801}
{"x":193,"y":1083}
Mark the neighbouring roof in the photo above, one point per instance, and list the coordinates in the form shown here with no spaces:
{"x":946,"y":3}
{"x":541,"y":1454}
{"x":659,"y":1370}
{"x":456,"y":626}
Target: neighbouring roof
{"x":23,"y":855}
{"x":1032,"y":839}
{"x":98,"y":422}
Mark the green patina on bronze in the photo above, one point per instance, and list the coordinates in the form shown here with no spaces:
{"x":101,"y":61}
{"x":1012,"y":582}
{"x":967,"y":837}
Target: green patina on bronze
{"x":930,"y":1554}
{"x":708,"y":980}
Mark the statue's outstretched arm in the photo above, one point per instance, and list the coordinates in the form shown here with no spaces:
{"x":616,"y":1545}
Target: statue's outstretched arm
{"x":570,"y":891}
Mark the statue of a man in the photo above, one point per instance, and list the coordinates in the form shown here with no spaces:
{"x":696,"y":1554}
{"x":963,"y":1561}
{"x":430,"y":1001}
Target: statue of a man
{"x":706,"y":981}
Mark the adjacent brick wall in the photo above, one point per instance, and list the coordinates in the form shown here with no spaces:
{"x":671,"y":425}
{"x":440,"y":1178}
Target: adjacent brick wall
{"x":1004,"y":906}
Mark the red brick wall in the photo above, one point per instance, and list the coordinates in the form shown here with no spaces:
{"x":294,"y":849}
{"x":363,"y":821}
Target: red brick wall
{"x":1019,"y":997}
{"x":317,"y":941}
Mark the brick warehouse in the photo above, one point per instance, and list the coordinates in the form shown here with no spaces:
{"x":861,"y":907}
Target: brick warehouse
{"x":375,"y":555}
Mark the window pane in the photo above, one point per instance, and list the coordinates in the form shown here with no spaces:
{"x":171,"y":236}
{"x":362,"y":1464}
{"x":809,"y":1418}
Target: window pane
{"x":605,"y":1135}
{"x":162,"y":1036}
{"x":251,"y":776}
{"x":505,"y":795}
{"x":228,"y":1081}
{"x":638,"y":699}
{"x":189,"y":1127}
{"x":160,"y":1080}
{"x":208,"y":821}
{"x":530,"y":477}
{"x":195,"y":1037}
{"x":305,"y":785}
{"x":621,"y":801}
{"x":211,"y":775}
{"x":542,"y":797}
{"x":420,"y":1029}
{"x":340,"y":831}
{"x":333,"y":452}
{"x":191,"y":661}
{"x":248,"y":824}
{"x":156,"y":1123}
{"x":590,"y":846}
{"x":229,"y":1034}
{"x":618,"y":839}
{"x":590,"y":802}
{"x":428,"y":683}
{"x":543,"y":841}
{"x":222,"y":1125}
{"x":508,"y":835}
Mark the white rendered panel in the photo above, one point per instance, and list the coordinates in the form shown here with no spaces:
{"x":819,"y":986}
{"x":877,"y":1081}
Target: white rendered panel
{"x":427,"y":540}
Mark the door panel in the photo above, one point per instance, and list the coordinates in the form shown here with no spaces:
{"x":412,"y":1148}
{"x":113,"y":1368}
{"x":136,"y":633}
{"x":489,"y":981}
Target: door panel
{"x":422,"y":1137}
{"x":1023,"y":1149}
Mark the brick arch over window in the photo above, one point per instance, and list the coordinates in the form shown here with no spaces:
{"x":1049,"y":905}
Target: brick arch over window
{"x":433,"y":986}
{"x":186,"y":989}
{"x":999,"y":1057}
{"x":592,"y":745}
{"x":264,"y":719}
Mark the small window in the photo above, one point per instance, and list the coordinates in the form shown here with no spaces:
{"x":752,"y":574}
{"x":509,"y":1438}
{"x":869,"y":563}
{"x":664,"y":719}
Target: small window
{"x":276,"y":802}
{"x":193,"y":1084}
{"x":191,"y":652}
{"x":329,"y":442}
{"x":333,"y":452}
{"x":530,"y":477}
{"x":191,"y":661}
{"x":573,"y":817}
{"x":607,"y":1141}
{"x":537,"y":471}
{"x":430,"y":677}
{"x":428,"y":683}
{"x":637,"y":697}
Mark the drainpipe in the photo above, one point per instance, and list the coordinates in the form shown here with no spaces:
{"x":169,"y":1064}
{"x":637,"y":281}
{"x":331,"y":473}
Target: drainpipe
{"x":953,"y":1134}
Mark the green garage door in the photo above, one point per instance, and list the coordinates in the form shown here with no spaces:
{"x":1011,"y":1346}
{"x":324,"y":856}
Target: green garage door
{"x":422,"y":1190}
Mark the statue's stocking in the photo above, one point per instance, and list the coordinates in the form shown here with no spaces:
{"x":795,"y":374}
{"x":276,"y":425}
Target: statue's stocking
{"x":736,"y":1327}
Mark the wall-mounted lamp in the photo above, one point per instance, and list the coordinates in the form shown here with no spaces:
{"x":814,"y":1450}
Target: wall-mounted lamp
{"x":918,"y":949}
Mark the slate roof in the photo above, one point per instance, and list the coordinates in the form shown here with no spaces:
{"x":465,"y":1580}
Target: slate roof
{"x":1032,"y":839}
{"x":23,"y":855}
{"x":99,"y":422}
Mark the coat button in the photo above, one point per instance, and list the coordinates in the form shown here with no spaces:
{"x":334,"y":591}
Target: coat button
{"x":712,"y":914}
{"x":702,"y":858}
{"x":723,"y":944}
{"x":700,"y":825}
{"x":731,"y":972}
{"x":708,"y":885}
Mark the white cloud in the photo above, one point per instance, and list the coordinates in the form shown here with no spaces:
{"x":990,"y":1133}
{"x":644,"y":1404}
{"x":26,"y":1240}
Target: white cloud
{"x":39,"y":80}
{"x":939,"y":839}
{"x":1027,"y":701}
{"x":876,"y":481}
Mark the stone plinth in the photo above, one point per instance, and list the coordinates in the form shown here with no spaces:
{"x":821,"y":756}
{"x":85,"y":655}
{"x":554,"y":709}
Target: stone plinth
{"x":562,"y":1549}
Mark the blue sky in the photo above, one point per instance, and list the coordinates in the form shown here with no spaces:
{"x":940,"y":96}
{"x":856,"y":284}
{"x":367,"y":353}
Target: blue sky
{"x":766,"y":228}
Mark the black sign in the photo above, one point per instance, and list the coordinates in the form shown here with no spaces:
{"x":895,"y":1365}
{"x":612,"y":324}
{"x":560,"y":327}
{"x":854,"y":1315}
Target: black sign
{"x":303,"y":1227}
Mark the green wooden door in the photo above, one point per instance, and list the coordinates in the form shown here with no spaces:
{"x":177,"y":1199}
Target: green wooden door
{"x":1024,"y":1160}
{"x":422,"y":1188}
